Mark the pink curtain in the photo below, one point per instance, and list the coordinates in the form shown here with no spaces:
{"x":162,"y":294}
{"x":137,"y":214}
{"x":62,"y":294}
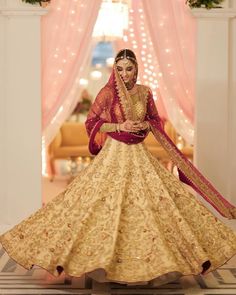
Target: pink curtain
{"x":172,"y":30}
{"x":138,"y":39}
{"x":66,"y":42}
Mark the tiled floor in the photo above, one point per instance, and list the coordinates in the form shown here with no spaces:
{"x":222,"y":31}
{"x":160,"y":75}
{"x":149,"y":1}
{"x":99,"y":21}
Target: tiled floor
{"x":16,"y":280}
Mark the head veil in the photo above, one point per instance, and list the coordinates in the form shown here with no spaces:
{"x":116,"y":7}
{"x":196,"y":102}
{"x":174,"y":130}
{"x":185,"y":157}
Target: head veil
{"x":113,"y":104}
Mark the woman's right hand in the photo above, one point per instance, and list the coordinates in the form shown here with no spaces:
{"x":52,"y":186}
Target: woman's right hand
{"x":130,"y":126}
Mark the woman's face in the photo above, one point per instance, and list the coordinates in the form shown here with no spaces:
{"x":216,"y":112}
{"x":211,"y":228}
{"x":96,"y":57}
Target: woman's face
{"x":126,"y":69}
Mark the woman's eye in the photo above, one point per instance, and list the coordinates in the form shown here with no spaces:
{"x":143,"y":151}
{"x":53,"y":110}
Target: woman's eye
{"x":119,"y":69}
{"x":129,"y":69}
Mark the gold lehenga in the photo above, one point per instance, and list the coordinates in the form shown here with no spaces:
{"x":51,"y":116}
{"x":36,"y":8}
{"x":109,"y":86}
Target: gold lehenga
{"x":124,"y":216}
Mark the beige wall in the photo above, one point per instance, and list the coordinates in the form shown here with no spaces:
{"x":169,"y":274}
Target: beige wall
{"x":20,"y":111}
{"x":215,"y":124}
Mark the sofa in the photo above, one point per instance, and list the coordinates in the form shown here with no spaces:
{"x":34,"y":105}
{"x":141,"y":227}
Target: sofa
{"x":72,"y":141}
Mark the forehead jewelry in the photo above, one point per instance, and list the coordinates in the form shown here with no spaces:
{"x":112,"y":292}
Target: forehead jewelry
{"x":125,"y":56}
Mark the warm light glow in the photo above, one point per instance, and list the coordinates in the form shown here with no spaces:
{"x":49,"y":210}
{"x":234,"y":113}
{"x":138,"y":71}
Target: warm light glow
{"x":96,"y":75}
{"x":110,"y":61}
{"x":112,"y":20}
{"x":83,"y":82}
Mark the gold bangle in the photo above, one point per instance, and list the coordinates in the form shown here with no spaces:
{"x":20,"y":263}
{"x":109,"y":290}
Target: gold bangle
{"x":118,"y":127}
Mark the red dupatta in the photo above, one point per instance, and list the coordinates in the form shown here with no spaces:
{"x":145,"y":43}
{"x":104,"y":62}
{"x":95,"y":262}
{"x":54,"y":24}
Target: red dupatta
{"x":113,"y":104}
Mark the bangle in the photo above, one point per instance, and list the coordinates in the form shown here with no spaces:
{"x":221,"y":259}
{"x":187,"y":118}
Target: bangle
{"x":118,"y":127}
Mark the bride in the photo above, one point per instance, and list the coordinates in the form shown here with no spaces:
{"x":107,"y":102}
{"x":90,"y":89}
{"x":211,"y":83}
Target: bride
{"x":126,"y":218}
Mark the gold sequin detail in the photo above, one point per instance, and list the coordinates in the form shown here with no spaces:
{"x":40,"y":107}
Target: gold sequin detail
{"x":155,"y":226}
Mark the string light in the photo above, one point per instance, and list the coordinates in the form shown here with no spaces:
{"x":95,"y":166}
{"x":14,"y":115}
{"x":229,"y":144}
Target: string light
{"x":148,"y":64}
{"x":83,"y":82}
{"x":96,"y":75}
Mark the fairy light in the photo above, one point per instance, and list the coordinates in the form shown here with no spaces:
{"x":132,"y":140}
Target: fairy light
{"x":150,"y":67}
{"x":83,"y":82}
{"x":110,"y":61}
{"x":147,"y":56}
{"x":115,"y":13}
{"x":64,"y":58}
{"x":96,"y":75}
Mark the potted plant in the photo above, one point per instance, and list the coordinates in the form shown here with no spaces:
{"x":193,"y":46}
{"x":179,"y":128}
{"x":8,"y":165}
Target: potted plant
{"x":204,"y":3}
{"x":81,"y":110}
{"x":43,"y":3}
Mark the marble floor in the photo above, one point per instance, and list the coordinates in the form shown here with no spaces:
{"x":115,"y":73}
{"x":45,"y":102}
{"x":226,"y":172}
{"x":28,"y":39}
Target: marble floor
{"x":14,"y":279}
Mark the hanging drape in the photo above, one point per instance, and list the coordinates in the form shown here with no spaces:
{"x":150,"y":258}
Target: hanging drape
{"x":138,"y":39}
{"x":172,"y":30}
{"x":66,"y":40}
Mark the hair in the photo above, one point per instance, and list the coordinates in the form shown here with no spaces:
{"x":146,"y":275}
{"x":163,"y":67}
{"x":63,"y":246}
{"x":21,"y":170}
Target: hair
{"x":126,"y":53}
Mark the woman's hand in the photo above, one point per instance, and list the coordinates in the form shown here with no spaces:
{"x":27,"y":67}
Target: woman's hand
{"x":133,"y":126}
{"x":143,"y":125}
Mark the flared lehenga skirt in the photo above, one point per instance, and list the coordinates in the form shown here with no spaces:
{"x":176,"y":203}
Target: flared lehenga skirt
{"x":124,"y":218}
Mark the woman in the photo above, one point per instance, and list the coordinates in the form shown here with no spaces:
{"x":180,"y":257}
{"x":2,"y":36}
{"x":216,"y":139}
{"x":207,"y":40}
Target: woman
{"x":126,"y":218}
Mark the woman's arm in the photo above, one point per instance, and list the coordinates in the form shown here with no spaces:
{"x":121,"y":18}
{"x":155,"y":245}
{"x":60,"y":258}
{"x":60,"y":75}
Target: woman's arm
{"x":100,"y":109}
{"x":109,"y":127}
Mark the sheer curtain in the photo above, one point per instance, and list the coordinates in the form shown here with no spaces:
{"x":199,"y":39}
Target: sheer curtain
{"x":172,"y":30}
{"x":66,"y":43}
{"x":138,"y":39}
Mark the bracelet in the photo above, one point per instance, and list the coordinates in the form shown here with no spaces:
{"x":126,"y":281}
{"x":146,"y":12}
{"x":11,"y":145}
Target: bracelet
{"x":118,"y":127}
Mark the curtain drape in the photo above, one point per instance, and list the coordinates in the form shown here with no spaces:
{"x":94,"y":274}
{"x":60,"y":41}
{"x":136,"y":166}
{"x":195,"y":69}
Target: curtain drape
{"x":172,"y":29}
{"x":138,"y":39}
{"x":66,"y":43}
{"x":166,"y":54}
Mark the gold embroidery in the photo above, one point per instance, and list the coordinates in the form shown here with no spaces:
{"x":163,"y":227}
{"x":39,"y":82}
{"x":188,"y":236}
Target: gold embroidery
{"x":156,"y":225}
{"x":139,"y":103}
{"x":192,"y":176}
{"x":108,"y":127}
{"x":123,"y":95}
